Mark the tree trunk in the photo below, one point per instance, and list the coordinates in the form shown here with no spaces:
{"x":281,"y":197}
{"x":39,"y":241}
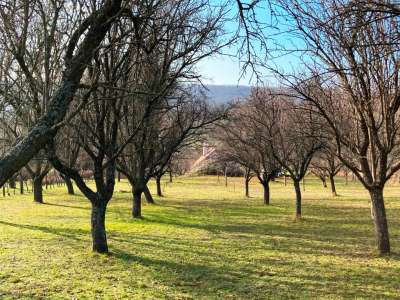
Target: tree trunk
{"x":246,"y":187}
{"x":99,"y":237}
{"x":12,"y":182}
{"x":371,"y":208}
{"x":119,"y":176}
{"x":333,"y":187}
{"x":266,"y":192}
{"x":137,"y":203}
{"x":148,"y":196}
{"x":21,"y":185}
{"x":380,"y":221}
{"x":38,"y":189}
{"x":323,"y":181}
{"x":170,"y":176}
{"x":158,"y":183}
{"x":43,"y":131}
{"x":70,"y":186}
{"x":298,"y":198}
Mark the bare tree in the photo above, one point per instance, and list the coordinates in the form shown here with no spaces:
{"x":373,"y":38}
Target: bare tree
{"x":247,"y":143}
{"x":352,"y":82}
{"x":97,"y":129}
{"x":177,"y":165}
{"x":90,"y":21}
{"x":293,"y":136}
{"x":164,"y":114}
{"x":234,"y":148}
{"x":326,"y":165}
{"x":70,"y":152}
{"x":84,"y":38}
{"x":159,"y":137}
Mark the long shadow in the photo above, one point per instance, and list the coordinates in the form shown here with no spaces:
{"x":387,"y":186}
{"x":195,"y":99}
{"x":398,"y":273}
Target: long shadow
{"x":68,"y":233}
{"x":241,"y":282}
{"x":190,"y":275}
{"x":67,"y":206}
{"x":331,"y":235}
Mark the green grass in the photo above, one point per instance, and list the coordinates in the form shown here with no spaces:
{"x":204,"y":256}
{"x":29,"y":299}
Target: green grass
{"x":201,"y":241}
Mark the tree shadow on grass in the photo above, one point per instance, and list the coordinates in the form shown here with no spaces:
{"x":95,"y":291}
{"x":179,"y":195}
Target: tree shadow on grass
{"x":67,"y":206}
{"x":198,"y":279}
{"x":239,"y":281}
{"x":350,"y":235}
{"x":74,"y":234}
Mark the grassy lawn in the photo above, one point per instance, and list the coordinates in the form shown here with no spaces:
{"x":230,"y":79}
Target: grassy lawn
{"x":202,"y":241}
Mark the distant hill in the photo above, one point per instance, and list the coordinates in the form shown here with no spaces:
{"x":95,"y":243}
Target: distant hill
{"x":220,"y":94}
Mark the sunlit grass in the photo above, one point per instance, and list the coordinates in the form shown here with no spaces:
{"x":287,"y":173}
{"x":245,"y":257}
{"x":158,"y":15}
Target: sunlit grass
{"x":201,"y":241}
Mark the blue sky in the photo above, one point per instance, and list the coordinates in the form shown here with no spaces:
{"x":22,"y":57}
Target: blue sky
{"x":226,"y":70}
{"x":223,"y":70}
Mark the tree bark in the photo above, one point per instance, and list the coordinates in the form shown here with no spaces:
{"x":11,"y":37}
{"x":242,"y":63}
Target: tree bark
{"x":246,"y":187}
{"x":380,"y":221}
{"x":21,"y":185}
{"x":323,"y":181}
{"x":148,"y":196}
{"x":38,"y":189}
{"x":70,"y":186}
{"x":297,"y":188}
{"x":137,"y":203}
{"x":99,"y":237}
{"x":12,"y":182}
{"x":170,"y":176}
{"x":333,"y":187}
{"x":43,"y":131}
{"x":266,"y":192}
{"x":158,"y":183}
